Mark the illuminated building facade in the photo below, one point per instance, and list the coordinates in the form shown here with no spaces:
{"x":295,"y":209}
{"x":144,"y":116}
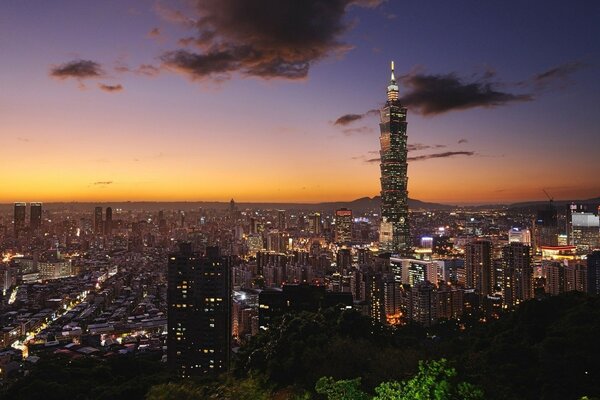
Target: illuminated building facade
{"x":394,"y":230}
{"x":517,"y":274}
{"x":199,"y":312}
{"x":343,"y":226}
{"x":478,"y":266}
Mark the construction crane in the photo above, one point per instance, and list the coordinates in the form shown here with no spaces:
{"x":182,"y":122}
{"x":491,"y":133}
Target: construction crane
{"x":547,"y":195}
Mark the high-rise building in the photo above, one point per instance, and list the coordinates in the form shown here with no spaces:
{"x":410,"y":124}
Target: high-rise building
{"x":479,"y":267}
{"x":343,"y":226}
{"x":108,"y":222}
{"x":315,"y":224}
{"x":98,"y":225}
{"x":199,"y":312}
{"x":546,"y":227}
{"x":585,"y":231}
{"x":593,"y":273}
{"x":555,"y":278}
{"x":35,"y":216}
{"x":423,"y":306}
{"x":281,"y":220}
{"x":517,"y":274}
{"x":394,"y":231}
{"x":19,"y":217}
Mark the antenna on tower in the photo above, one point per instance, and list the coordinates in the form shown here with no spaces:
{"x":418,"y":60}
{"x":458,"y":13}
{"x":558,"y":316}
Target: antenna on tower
{"x":393,"y":79}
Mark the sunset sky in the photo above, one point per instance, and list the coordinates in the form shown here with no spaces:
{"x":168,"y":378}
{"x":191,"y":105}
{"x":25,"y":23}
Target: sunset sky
{"x":269,"y":100}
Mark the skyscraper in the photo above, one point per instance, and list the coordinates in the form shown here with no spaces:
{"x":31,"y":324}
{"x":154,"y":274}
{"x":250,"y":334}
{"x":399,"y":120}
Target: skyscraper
{"x":108,"y":223}
{"x":199,"y":312}
{"x":343,"y":225}
{"x":19,"y":217}
{"x":478,"y":265}
{"x":98,"y":227}
{"x":394,"y":230}
{"x":35,"y":215}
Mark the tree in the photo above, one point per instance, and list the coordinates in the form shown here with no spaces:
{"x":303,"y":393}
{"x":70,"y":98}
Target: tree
{"x":436,"y":380}
{"x":347,"y":389}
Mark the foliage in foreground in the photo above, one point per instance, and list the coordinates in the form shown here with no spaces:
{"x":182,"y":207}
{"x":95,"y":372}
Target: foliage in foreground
{"x":436,"y":380}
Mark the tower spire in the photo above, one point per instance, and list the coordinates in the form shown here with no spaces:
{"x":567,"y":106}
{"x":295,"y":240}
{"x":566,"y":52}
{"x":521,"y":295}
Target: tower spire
{"x":392,"y":89}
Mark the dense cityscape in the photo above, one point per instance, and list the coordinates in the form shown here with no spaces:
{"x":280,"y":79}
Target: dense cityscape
{"x":194,"y":283}
{"x":300,"y":217}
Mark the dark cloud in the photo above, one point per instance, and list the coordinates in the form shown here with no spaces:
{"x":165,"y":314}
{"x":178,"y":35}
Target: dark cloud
{"x":441,"y":155}
{"x":79,"y":69}
{"x":110,"y":88}
{"x":437,"y":94}
{"x":350,"y":118}
{"x":266,"y":39}
{"x":560,"y":74}
{"x":103,"y":183}
{"x":461,"y":141}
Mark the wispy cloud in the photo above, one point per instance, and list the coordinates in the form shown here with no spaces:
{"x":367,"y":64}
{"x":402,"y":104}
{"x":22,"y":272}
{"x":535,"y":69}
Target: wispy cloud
{"x":103,"y":183}
{"x":363,"y":130}
{"x":559,"y":74}
{"x":445,"y":154}
{"x":347,"y":119}
{"x":423,"y":157}
{"x":110,"y":88}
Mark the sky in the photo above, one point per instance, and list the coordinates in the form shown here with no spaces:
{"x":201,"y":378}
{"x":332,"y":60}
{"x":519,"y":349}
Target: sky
{"x":275,"y":100}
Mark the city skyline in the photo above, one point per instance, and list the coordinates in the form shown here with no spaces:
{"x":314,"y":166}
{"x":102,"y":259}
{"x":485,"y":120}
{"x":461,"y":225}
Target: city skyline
{"x":125,"y":102}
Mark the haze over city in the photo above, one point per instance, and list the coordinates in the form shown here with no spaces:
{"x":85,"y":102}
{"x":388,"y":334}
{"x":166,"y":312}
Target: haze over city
{"x":165,"y":101}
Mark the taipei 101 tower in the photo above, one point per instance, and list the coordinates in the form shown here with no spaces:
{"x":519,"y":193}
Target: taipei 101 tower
{"x":394,"y":233}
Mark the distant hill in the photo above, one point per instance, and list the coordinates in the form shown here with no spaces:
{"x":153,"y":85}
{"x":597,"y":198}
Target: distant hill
{"x":358,"y":205}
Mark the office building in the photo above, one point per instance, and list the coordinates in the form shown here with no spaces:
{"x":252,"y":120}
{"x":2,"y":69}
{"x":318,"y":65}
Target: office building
{"x":108,"y":223}
{"x":199,"y":312}
{"x":394,"y":230}
{"x":546,"y":228}
{"x":20,"y":211}
{"x":585,"y":232}
{"x":98,"y":224}
{"x":295,"y":298}
{"x":35,"y":216}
